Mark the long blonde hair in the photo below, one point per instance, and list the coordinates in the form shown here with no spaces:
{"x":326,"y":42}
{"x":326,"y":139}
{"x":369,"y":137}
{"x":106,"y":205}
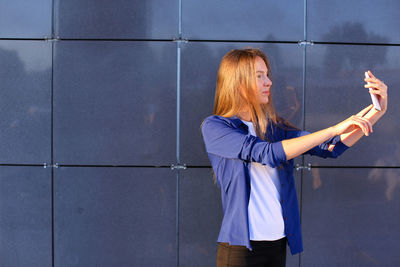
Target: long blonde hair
{"x":237,"y":87}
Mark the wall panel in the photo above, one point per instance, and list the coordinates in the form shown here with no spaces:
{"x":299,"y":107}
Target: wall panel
{"x":241,"y":20}
{"x":114,"y":217}
{"x":200,"y":217}
{"x":25,"y":216}
{"x":354,"y":21}
{"x":118,"y":19}
{"x":25,"y":102}
{"x":26,"y":19}
{"x":351,"y":217}
{"x":115,"y":103}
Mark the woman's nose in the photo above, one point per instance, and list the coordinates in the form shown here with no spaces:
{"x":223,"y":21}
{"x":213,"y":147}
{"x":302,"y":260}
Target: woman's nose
{"x":267,"y":82}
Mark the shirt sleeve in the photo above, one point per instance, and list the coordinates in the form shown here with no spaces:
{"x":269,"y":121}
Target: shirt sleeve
{"x":322,"y":150}
{"x":224,"y":139}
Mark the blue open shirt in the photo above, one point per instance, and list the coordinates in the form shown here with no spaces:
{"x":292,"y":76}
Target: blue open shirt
{"x":231,"y":148}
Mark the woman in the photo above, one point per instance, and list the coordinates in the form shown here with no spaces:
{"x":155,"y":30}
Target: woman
{"x":251,"y":151}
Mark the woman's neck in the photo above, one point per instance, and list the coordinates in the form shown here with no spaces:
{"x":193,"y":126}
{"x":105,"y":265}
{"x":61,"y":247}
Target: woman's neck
{"x":244,"y":115}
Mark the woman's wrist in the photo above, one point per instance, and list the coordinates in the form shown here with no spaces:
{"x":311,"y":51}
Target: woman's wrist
{"x":374,"y":113}
{"x":334,"y":131}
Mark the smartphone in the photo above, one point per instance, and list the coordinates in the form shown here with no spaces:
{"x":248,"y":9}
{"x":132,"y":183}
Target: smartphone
{"x":374,"y":97}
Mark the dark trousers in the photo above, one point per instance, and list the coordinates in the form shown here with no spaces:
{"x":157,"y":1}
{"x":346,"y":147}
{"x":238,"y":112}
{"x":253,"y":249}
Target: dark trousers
{"x":264,"y":254}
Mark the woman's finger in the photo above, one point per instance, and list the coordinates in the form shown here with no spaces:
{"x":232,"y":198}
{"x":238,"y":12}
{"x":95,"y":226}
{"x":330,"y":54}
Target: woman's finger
{"x":372,"y":85}
{"x":365,"y":111}
{"x":365,"y":124}
{"x":359,"y":124}
{"x":370,"y":79}
{"x":371,"y":74}
{"x":365,"y":128}
{"x":374,"y":80}
{"x":362,"y":127}
{"x":378,"y":93}
{"x":375,"y":91}
{"x":369,"y":124}
{"x":379,"y":85}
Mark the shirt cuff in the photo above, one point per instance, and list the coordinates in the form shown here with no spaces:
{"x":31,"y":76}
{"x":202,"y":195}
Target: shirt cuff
{"x":279,"y":153}
{"x":339,"y":148}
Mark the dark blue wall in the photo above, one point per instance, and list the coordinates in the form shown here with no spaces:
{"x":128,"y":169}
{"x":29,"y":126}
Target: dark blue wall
{"x":99,"y":99}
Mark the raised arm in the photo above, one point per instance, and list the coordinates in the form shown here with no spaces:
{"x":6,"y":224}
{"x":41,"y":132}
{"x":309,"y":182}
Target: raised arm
{"x":350,"y":130}
{"x":297,"y":146}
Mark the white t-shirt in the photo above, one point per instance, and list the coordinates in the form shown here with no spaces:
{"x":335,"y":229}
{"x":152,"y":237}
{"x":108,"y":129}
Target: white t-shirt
{"x":264,"y":210}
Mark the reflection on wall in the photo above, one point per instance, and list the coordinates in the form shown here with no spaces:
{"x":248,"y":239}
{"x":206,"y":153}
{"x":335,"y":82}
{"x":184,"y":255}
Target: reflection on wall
{"x":115,"y":103}
{"x":25,"y":103}
{"x":338,"y":61}
{"x":389,"y":175}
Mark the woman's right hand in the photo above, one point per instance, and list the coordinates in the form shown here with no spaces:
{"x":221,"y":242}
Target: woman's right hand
{"x":354,"y":122}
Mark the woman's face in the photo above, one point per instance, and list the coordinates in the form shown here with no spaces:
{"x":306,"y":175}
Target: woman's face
{"x":263,"y":82}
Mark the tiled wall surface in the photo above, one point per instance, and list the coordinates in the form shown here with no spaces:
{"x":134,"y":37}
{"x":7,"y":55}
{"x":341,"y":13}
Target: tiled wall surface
{"x":100,"y":98}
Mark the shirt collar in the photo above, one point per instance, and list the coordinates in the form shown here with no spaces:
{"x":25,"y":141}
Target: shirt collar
{"x":235,"y":121}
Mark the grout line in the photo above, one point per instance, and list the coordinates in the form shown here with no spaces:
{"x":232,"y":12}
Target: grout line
{"x":350,"y":43}
{"x":304,"y":74}
{"x":301,"y":203}
{"x":304,"y":56}
{"x":114,"y":166}
{"x":22,"y":165}
{"x":199,"y":41}
{"x":24,"y":39}
{"x":305,"y":20}
{"x":178,"y":101}
{"x":52,"y":219}
{"x":178,"y":113}
{"x":240,"y":41}
{"x":177,"y":218}
{"x":180,"y":19}
{"x":354,"y":167}
{"x":187,"y":166}
{"x":52,"y":135}
{"x":316,"y":167}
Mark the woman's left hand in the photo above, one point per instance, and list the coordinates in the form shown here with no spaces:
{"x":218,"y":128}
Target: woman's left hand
{"x":379,"y":88}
